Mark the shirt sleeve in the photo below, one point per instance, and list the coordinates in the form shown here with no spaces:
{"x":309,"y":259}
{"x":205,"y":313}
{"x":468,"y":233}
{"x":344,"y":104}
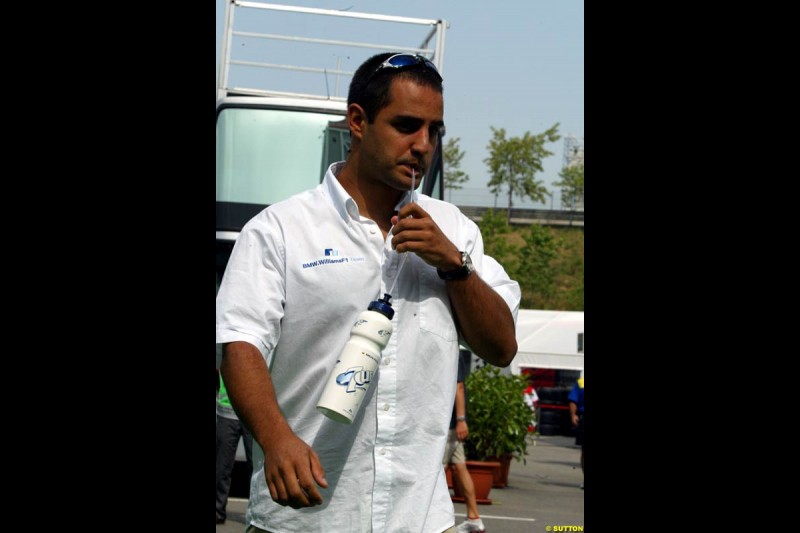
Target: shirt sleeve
{"x":496,"y":277}
{"x":573,"y":394}
{"x":252,"y":294}
{"x":494,"y":274}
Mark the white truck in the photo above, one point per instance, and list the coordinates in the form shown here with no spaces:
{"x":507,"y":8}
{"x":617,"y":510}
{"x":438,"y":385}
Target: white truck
{"x":280,"y":118}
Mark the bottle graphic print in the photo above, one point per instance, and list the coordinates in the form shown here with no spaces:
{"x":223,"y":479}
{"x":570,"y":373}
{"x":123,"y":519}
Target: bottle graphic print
{"x":349,"y":382}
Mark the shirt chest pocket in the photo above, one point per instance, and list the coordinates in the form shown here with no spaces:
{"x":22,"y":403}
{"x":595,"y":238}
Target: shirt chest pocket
{"x":435,"y":314}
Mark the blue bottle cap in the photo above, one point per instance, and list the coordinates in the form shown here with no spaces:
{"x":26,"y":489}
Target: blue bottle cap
{"x":383,"y":306}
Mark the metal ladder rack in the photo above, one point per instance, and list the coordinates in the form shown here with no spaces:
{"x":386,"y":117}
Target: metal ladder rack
{"x":432,"y":47}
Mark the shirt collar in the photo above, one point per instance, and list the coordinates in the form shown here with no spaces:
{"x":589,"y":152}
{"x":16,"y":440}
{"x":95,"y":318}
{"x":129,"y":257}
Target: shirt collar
{"x":342,"y":202}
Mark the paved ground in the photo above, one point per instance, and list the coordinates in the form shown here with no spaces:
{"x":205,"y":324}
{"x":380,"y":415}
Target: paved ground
{"x":541,"y":497}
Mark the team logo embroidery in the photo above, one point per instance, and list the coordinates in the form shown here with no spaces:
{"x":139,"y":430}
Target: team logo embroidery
{"x":331,"y":257}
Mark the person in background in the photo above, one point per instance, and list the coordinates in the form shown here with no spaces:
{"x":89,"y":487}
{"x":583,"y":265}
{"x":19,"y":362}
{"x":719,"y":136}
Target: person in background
{"x":298,"y":276}
{"x":229,"y":430}
{"x":576,"y":412}
{"x":454,"y":452}
{"x":531,"y":400}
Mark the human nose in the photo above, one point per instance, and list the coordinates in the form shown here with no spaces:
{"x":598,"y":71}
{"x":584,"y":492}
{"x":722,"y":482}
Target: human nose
{"x":421,"y":144}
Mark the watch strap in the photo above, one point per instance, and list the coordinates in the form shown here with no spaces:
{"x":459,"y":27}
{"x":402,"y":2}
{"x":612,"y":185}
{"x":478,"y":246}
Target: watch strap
{"x":459,"y":273}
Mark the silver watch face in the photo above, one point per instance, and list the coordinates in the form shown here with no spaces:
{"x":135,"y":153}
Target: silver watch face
{"x":467,"y":261}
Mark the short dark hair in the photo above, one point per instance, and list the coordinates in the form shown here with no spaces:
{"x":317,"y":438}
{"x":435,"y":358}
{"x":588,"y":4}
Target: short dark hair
{"x":370,"y":90}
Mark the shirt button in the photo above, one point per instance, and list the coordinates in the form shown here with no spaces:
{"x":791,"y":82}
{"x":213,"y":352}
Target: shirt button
{"x":383,"y":451}
{"x":387,"y":360}
{"x":373,"y":231}
{"x":386,"y":407}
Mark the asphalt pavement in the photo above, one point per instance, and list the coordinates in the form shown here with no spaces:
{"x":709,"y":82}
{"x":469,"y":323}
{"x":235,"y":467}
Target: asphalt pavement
{"x":542,"y":496}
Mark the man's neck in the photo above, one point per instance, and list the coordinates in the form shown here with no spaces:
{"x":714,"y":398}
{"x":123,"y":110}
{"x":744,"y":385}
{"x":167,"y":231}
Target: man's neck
{"x":375,"y":200}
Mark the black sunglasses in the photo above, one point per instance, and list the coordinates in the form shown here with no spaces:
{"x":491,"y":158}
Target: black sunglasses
{"x":404,"y":62}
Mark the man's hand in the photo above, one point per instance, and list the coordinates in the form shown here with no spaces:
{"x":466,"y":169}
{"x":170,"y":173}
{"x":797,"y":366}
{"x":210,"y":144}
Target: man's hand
{"x":462,"y":431}
{"x":415,"y":231}
{"x":292,"y":468}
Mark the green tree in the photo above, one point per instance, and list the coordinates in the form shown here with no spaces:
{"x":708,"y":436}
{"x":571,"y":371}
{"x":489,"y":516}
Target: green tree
{"x":453,"y":175}
{"x":514,"y":162}
{"x":547,"y":262}
{"x":494,"y":229}
{"x":574,"y":297}
{"x":536,"y":273}
{"x":571,"y":184}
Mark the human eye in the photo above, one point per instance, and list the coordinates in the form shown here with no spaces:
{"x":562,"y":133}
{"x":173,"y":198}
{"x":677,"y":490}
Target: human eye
{"x":436,"y":130}
{"x":407,"y":126}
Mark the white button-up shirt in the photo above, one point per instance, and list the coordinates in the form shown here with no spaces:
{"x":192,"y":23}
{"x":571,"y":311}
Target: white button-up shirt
{"x":300,"y":273}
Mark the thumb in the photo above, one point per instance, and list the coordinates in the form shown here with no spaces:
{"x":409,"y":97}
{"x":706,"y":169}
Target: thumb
{"x":318,"y":472}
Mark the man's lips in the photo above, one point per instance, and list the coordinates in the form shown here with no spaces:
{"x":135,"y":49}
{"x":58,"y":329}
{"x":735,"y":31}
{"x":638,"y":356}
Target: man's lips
{"x":414,"y":167}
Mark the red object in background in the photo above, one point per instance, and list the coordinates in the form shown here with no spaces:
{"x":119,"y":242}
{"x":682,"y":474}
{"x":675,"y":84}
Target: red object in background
{"x":541,"y":377}
{"x":553,"y":406}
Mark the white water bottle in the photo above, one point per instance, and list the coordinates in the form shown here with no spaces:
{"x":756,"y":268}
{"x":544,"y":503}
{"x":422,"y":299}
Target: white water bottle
{"x":350,"y":379}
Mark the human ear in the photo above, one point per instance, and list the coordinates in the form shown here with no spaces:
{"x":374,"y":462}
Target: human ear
{"x":356,"y":119}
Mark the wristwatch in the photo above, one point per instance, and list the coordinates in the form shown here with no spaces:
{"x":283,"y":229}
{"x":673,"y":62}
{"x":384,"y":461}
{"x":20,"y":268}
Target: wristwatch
{"x":461,"y":272}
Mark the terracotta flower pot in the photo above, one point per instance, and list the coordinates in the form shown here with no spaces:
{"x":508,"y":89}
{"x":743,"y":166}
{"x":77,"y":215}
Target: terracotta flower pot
{"x":482,"y":474}
{"x":501,"y":478}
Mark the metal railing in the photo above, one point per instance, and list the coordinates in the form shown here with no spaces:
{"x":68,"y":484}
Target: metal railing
{"x":432,"y":46}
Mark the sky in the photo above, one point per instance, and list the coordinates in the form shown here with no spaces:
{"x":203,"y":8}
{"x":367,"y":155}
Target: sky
{"x":512,"y":64}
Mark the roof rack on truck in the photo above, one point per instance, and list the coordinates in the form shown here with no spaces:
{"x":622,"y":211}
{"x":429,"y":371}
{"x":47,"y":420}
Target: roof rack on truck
{"x":318,"y":53}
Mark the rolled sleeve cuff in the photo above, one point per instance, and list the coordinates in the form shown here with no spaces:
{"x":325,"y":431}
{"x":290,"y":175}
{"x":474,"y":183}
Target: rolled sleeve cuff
{"x":226,"y":336}
{"x":511,"y":294}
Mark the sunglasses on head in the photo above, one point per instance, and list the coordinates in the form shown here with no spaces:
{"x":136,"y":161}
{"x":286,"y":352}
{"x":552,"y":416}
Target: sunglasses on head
{"x":400,"y":62}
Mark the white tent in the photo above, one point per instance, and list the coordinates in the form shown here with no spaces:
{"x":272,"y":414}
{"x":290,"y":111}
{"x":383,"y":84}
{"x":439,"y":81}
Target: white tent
{"x":549,"y":339}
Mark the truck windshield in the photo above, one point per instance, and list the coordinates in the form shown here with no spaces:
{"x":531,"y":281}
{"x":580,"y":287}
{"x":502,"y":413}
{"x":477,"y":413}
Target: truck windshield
{"x":267,"y":155}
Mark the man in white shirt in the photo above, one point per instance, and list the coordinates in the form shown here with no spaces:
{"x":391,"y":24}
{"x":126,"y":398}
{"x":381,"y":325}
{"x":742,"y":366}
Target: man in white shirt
{"x":300,"y":273}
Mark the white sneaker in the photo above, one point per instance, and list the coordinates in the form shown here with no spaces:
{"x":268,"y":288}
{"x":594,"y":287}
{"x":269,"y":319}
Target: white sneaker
{"x":474,"y":525}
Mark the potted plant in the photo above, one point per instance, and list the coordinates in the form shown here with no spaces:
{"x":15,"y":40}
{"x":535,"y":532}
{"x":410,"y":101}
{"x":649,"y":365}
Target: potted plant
{"x":498,"y":418}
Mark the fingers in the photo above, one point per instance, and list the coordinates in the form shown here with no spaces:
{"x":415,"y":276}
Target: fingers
{"x":282,"y":492}
{"x":413,"y":232}
{"x":428,"y":242}
{"x":318,"y":471}
{"x":308,"y":480}
{"x":297,"y":487}
{"x":412,"y":209}
{"x":408,"y":240}
{"x":277,"y":490}
{"x":288,"y":491}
